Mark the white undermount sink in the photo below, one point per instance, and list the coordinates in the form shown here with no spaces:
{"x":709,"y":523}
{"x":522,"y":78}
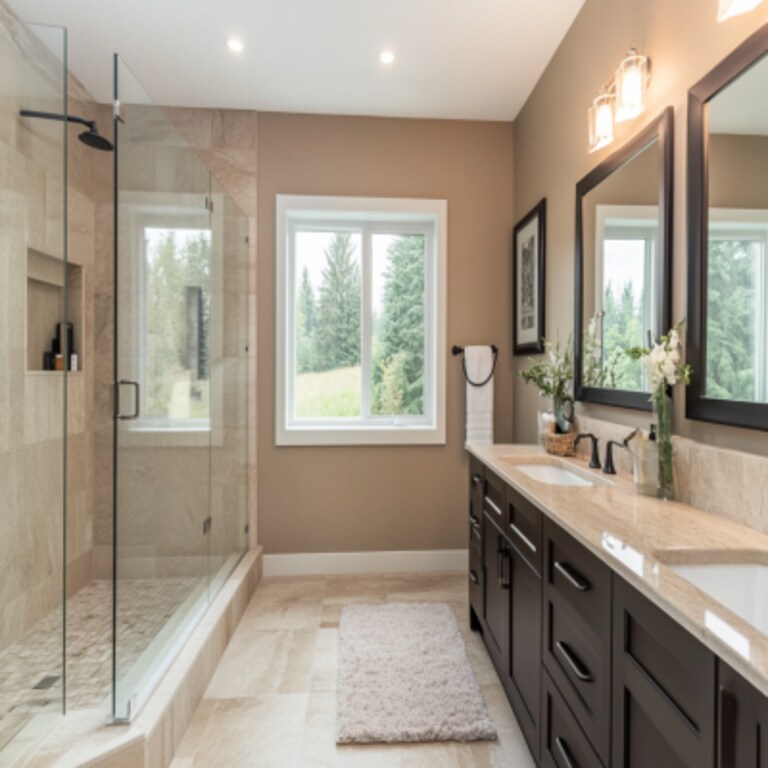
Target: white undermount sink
{"x":740,"y":587}
{"x":558,"y":474}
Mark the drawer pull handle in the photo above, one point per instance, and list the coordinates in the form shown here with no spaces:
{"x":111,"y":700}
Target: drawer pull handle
{"x":473,"y":576}
{"x":578,"y":668}
{"x":520,"y":535}
{"x":476,"y":479}
{"x":575,"y":578}
{"x":494,"y":507}
{"x":473,"y":520}
{"x":566,"y":753}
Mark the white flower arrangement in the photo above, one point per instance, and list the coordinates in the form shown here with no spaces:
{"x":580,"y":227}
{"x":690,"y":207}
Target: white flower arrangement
{"x":663,"y":363}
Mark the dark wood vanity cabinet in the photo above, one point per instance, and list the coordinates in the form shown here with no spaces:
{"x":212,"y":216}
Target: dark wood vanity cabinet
{"x":577,"y":634}
{"x":663,"y":689}
{"x":742,"y":722}
{"x":597,"y":675}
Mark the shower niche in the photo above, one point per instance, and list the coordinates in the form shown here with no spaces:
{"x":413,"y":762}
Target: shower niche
{"x":49,"y":281}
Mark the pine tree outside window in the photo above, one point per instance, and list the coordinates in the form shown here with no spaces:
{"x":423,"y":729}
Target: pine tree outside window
{"x":360,"y":321}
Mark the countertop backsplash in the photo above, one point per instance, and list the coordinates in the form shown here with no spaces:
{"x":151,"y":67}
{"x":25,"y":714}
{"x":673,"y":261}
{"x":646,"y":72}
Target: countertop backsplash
{"x":725,"y":482}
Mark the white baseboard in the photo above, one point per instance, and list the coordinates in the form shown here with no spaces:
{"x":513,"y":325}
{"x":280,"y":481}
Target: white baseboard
{"x":321,"y":563}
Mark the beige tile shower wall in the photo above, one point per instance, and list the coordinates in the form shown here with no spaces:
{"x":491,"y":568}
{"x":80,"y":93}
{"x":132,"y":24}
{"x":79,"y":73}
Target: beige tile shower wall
{"x":684,"y":42}
{"x":32,"y":403}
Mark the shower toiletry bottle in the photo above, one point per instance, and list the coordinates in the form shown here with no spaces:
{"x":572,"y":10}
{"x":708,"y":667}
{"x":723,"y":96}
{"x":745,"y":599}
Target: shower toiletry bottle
{"x":647,"y":464}
{"x":58,"y":362}
{"x":70,"y":341}
{"x":73,"y":362}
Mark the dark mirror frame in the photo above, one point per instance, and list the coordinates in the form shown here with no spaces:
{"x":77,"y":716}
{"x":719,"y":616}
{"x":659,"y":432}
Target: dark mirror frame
{"x":660,"y":129}
{"x":736,"y":413}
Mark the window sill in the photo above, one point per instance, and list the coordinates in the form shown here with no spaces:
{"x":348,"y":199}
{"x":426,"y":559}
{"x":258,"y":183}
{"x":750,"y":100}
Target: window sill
{"x":360,"y":436}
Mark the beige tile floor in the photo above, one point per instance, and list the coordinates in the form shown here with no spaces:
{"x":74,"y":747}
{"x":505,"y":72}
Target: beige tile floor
{"x":272,"y":701}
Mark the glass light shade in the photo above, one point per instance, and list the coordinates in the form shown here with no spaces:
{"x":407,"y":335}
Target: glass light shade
{"x":601,"y":122}
{"x":631,"y":82}
{"x":730,"y":8}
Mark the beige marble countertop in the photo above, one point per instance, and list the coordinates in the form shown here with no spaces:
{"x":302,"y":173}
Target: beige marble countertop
{"x":637,"y":535}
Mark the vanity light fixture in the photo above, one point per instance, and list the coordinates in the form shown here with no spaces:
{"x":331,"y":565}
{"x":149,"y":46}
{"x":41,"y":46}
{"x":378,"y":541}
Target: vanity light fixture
{"x":631,"y":81}
{"x":623,"y":98}
{"x":729,"y":8}
{"x":601,"y":120}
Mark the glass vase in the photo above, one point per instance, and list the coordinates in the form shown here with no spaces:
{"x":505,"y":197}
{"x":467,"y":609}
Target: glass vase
{"x":662,"y":409}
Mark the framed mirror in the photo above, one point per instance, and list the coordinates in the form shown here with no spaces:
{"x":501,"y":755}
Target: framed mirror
{"x":728,"y":239}
{"x":623,"y":266}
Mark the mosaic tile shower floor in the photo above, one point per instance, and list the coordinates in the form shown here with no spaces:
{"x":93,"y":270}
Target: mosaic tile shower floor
{"x":30,"y":670}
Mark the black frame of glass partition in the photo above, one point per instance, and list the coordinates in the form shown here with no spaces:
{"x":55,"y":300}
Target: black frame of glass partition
{"x":660,"y":129}
{"x":697,"y":406}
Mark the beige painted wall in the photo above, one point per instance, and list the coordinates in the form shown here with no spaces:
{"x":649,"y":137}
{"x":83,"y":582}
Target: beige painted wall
{"x":684,"y":42}
{"x":387,"y":498}
{"x":738,"y":168}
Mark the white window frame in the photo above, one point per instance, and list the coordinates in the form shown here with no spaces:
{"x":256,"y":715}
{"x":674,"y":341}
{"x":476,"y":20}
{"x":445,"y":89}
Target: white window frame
{"x":369,"y":216}
{"x":749,"y":224}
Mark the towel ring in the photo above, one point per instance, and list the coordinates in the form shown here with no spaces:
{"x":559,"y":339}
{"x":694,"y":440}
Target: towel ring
{"x":456,"y":350}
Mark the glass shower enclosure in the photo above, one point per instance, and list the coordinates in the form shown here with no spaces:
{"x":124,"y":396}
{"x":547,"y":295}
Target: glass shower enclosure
{"x":180,"y":366}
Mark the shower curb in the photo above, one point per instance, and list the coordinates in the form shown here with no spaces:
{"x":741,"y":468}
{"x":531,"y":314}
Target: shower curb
{"x":152,"y":739}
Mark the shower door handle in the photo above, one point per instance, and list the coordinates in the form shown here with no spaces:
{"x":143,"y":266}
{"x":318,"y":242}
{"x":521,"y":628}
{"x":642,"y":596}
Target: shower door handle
{"x":137,"y":404}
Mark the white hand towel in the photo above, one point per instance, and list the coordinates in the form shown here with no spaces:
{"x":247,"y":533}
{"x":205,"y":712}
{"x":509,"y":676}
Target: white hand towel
{"x":478,"y":364}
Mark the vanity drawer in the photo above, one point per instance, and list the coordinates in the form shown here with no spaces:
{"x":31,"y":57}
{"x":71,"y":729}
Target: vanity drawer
{"x":524,"y":528}
{"x":494,"y":498}
{"x":563,"y":743}
{"x":578,"y":578}
{"x":476,"y":489}
{"x":577,"y":633}
{"x":574,"y":660}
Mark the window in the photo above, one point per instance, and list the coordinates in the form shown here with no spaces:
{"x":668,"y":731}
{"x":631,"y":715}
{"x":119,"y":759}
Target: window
{"x":175,"y":322}
{"x":360,"y":321}
{"x":737,"y":292}
{"x":170,"y":333}
{"x":627,"y":271}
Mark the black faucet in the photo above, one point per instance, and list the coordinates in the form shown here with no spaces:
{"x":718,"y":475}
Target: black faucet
{"x":609,"y":469}
{"x":594,"y":461}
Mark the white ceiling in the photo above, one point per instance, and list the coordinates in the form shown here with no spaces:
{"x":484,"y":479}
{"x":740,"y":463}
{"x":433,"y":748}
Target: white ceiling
{"x":462,"y":59}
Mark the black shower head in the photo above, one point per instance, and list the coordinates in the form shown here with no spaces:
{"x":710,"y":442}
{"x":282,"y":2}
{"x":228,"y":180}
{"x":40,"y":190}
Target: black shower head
{"x":93,"y":138}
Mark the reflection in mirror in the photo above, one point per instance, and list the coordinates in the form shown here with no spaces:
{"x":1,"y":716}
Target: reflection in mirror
{"x":728,"y":239}
{"x":622,"y":285}
{"x":736,"y":346}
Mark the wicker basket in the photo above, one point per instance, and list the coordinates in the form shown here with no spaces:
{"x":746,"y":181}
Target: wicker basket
{"x":559,"y":444}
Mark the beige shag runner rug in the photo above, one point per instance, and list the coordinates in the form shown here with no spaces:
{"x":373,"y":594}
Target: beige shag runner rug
{"x":404,"y":676}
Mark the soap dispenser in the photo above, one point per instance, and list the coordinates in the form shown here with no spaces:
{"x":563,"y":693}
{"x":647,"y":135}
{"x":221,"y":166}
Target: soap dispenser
{"x":646,"y":463}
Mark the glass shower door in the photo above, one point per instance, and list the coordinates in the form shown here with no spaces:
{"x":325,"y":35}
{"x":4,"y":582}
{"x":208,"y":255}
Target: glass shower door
{"x":164,"y":411}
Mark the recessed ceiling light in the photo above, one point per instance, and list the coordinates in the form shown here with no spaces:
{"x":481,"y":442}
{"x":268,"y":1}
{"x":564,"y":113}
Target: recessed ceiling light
{"x":235,"y":45}
{"x":386,"y":57}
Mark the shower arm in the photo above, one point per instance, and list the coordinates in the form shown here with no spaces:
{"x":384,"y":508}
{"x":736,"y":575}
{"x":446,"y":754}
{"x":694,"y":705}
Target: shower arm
{"x":54,"y":116}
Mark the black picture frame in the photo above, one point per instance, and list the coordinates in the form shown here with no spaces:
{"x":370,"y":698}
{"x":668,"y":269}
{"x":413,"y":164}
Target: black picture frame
{"x":660,"y":129}
{"x":751,"y":415}
{"x":528,"y":281}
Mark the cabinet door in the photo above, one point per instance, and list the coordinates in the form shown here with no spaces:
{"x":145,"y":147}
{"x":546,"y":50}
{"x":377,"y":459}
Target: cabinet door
{"x":524,"y":679}
{"x":496,"y":603}
{"x":742,"y":722}
{"x":663,"y":688}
